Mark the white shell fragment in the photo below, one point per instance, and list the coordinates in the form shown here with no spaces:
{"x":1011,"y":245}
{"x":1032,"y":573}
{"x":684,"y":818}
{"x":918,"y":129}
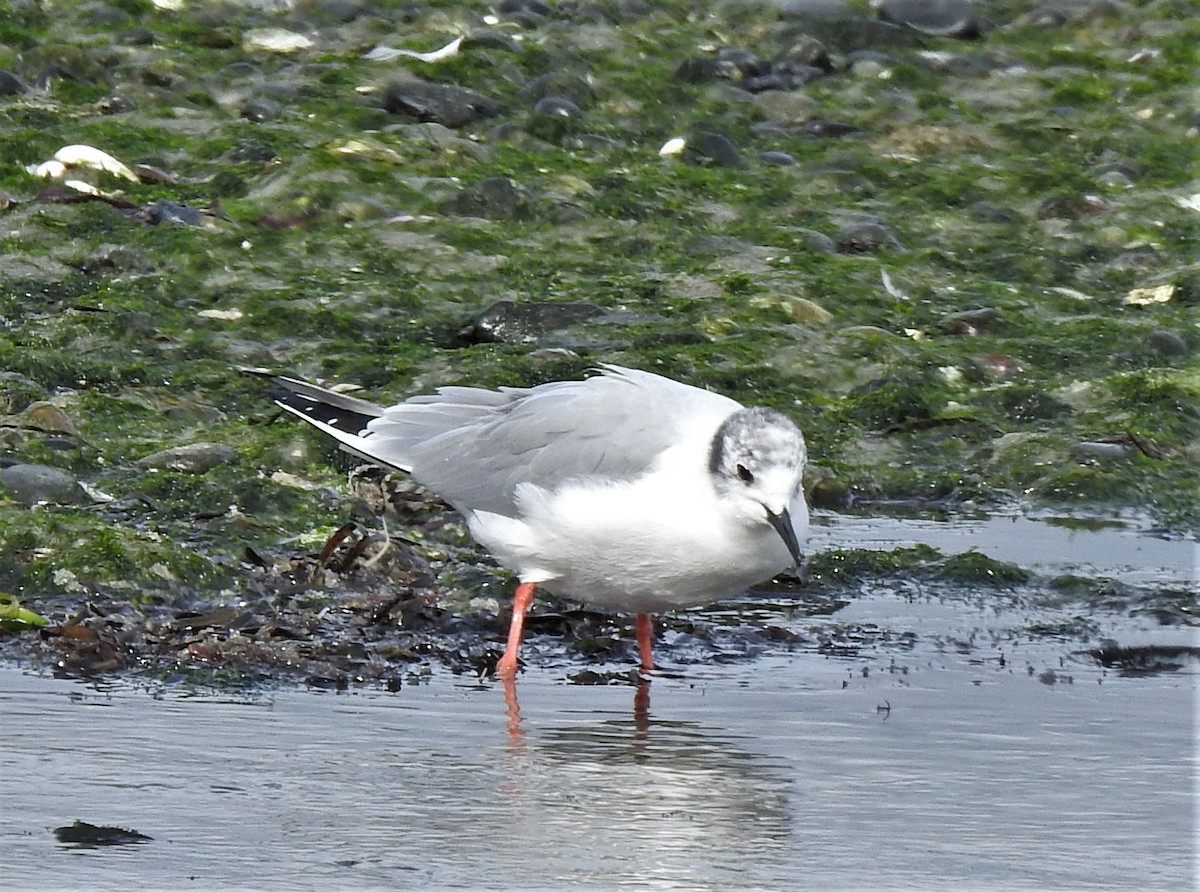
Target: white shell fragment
{"x":1145,"y":296}
{"x":275,"y":40}
{"x":81,"y":186}
{"x":80,"y":156}
{"x":673,"y":146}
{"x":231,"y":315}
{"x":388,"y":53}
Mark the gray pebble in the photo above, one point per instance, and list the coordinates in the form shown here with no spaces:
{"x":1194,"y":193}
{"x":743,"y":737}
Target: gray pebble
{"x":166,"y":211}
{"x":781,"y":158}
{"x":193,"y":458}
{"x":1167,"y":343}
{"x":491,"y":39}
{"x":867,"y":238}
{"x":815,"y":9}
{"x":137,"y":37}
{"x":942,"y":18}
{"x":709,"y":148}
{"x":558,"y":107}
{"x":1088,"y":451}
{"x":10,"y":84}
{"x":524,"y":322}
{"x":442,"y":103}
{"x":34,"y":484}
{"x":818,"y":242}
{"x":494,"y":198}
{"x":260,"y":109}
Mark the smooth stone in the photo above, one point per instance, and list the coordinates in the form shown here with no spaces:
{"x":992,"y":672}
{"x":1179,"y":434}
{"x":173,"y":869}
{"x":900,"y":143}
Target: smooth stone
{"x":818,"y":242}
{"x":970,"y":322}
{"x":33,"y":484}
{"x":561,"y":85}
{"x":523,"y":322}
{"x":744,"y":61}
{"x":492,"y":39}
{"x":558,"y":107}
{"x":525,"y":7}
{"x":137,"y":37}
{"x":444,"y":104}
{"x":805,"y":52}
{"x":940,"y":18}
{"x":774,"y":157}
{"x":10,"y":84}
{"x":495,"y":198}
{"x":989,"y":212}
{"x":708,"y":147}
{"x":1167,"y":343}
{"x":858,"y":33}
{"x":816,"y":9}
{"x":787,"y":107}
{"x":45,"y":417}
{"x":192,"y":458}
{"x":823,"y":129}
{"x":867,"y":238}
{"x":801,"y":309}
{"x":260,"y":109}
{"x":166,"y":211}
{"x":1091,"y":451}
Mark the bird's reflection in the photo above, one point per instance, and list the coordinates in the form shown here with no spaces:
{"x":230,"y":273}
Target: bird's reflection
{"x":657,"y":790}
{"x":515,"y":721}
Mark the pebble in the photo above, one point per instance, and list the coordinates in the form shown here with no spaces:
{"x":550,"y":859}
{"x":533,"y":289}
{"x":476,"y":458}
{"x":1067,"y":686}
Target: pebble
{"x":818,"y":242}
{"x":867,"y":238}
{"x":524,"y":322}
{"x":940,"y":18}
{"x":10,"y":84}
{"x":773,"y":157}
{"x":166,"y":211}
{"x":707,"y":147}
{"x":970,"y":322}
{"x":816,"y":9}
{"x":1092,"y":451}
{"x":557,"y":106}
{"x":192,"y":458}
{"x":801,"y":309}
{"x":31,"y":484}
{"x":444,"y":104}
{"x":494,"y":198}
{"x":45,"y":417}
{"x":1167,"y":343}
{"x":260,"y":109}
{"x":491,"y":39}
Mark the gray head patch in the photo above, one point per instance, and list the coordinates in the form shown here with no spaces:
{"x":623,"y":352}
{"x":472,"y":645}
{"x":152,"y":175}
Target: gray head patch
{"x":753,"y":439}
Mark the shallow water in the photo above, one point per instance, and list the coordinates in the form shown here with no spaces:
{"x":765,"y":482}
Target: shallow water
{"x":793,"y":773}
{"x":1128,"y":550}
{"x":953,"y":750}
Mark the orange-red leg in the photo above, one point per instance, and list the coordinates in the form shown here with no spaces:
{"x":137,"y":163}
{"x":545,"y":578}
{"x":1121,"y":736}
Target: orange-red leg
{"x":507,"y":666}
{"x":645,"y":640}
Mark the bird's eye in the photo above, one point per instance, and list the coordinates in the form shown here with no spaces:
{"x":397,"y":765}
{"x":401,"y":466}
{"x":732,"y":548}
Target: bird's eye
{"x":744,"y":474}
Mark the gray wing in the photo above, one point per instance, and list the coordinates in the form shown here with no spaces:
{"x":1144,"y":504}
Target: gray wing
{"x":474,"y":447}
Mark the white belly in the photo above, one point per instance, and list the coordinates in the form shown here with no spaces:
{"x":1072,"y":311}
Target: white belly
{"x":639,"y":548}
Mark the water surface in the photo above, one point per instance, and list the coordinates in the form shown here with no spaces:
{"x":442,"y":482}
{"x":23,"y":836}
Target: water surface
{"x":793,"y":773}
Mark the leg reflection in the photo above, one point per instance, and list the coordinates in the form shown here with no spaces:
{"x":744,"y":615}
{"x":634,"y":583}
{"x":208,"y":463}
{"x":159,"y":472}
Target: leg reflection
{"x":512,"y":709}
{"x":641,"y":708}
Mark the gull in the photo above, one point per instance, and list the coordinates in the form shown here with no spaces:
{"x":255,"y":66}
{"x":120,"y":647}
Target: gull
{"x":626,"y":490}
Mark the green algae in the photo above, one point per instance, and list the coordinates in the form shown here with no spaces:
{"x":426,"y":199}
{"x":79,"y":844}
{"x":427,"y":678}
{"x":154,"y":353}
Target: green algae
{"x":963,"y":179}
